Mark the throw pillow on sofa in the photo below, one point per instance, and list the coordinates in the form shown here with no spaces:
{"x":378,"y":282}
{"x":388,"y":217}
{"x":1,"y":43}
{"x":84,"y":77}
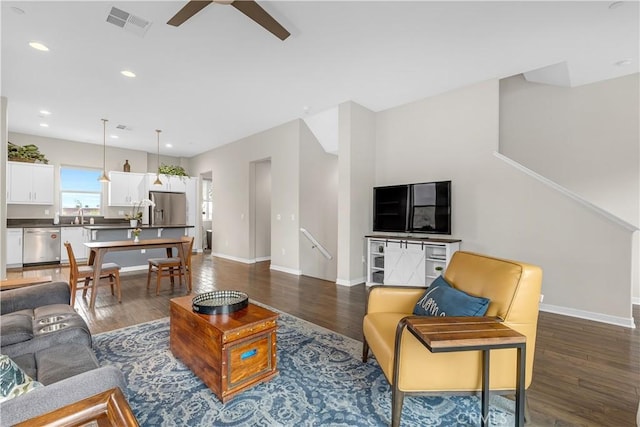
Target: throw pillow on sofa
{"x":441,"y":299}
{"x":13,"y":381}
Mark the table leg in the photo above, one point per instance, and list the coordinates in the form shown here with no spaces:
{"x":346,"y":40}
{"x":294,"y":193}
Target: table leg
{"x":520,"y":380}
{"x":485,"y":387}
{"x":97,"y":271}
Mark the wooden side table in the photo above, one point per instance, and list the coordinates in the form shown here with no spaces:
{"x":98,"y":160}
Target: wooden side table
{"x":449,"y":334}
{"x":106,"y":409}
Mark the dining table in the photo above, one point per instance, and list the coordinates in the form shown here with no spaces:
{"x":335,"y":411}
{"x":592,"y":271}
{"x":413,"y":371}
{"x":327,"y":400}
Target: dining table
{"x":98,"y":250}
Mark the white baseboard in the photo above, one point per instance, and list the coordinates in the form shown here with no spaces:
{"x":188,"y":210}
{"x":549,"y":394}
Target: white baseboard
{"x":263,"y":258}
{"x":352,"y":282}
{"x":234,"y":258}
{"x":589,"y":315}
{"x":286,"y":270}
{"x":635,"y":300}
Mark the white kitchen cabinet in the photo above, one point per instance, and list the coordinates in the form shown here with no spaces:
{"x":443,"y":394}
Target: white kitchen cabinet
{"x":14,"y":247}
{"x":170,"y":183}
{"x":77,"y":236}
{"x":193,"y":209}
{"x":125,"y":188}
{"x":407,"y":261}
{"x":30,"y":183}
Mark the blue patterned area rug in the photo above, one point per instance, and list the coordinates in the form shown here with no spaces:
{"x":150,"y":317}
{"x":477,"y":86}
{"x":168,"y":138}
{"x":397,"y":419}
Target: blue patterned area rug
{"x":322,"y":382}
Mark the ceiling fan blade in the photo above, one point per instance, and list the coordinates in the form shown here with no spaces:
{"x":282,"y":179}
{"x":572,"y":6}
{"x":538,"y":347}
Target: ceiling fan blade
{"x":254,"y":11}
{"x":188,"y":11}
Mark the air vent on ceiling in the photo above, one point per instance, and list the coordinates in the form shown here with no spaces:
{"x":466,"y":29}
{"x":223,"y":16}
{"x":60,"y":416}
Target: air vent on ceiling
{"x":123,"y":127}
{"x":125,"y":20}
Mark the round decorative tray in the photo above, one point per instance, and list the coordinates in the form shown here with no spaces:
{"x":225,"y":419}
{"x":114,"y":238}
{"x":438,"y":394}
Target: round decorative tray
{"x":220,"y":302}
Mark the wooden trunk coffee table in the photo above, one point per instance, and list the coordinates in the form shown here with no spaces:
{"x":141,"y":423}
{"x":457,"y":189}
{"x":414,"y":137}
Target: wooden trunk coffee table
{"x":228,"y":352}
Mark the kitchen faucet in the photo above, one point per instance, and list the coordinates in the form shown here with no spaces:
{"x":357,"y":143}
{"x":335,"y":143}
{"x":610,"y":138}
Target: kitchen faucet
{"x":81,"y":212}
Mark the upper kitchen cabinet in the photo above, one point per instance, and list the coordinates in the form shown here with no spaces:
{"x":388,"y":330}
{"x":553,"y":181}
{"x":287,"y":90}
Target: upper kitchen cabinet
{"x":126,"y":188}
{"x":170,"y":183}
{"x":30,"y":183}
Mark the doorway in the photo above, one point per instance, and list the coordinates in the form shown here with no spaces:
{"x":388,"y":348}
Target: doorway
{"x":206,"y":197}
{"x":260,"y":207}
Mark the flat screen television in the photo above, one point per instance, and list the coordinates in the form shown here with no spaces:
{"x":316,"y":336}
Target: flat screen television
{"x":413,"y":208}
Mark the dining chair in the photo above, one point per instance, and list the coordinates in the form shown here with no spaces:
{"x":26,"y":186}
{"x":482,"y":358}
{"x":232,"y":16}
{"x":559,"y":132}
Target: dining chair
{"x":84,"y":273}
{"x":171,"y":267}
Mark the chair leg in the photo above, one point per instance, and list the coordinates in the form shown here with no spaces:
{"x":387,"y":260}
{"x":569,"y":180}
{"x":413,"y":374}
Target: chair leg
{"x":111,"y":283}
{"x":149,"y":275}
{"x":397,"y":399}
{"x":158,"y":278}
{"x":86,"y":287}
{"x":365,"y":350}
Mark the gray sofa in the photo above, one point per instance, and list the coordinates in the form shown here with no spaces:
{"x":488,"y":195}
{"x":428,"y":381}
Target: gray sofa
{"x":51,"y":343}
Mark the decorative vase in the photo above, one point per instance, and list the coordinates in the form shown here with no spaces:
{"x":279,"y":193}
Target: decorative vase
{"x":135,"y":239}
{"x":126,"y":167}
{"x":133,"y":222}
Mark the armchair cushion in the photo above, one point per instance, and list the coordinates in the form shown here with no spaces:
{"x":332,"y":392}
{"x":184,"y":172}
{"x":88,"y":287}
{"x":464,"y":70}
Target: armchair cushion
{"x":13,"y":380}
{"x":15,"y":328}
{"x":440,"y":299}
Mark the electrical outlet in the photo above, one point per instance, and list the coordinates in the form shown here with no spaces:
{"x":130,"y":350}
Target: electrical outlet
{"x":46,"y":211}
{"x":278,"y":217}
{"x":293,"y":217}
{"x":143,"y":251}
{"x":120,"y":212}
{"x":541,"y":297}
{"x":283,"y":251}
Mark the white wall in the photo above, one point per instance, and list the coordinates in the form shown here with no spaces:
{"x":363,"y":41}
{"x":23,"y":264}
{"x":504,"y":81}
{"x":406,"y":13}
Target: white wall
{"x":356,"y":151}
{"x":3,"y":187}
{"x":318,"y":206}
{"x":500,"y":211}
{"x":230,"y":166}
{"x":587,"y":139}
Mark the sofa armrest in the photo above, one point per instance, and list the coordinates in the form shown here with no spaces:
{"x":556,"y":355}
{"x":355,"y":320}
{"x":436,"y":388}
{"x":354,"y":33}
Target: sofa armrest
{"x":34,"y":296}
{"x":62,"y":393}
{"x":393,"y":299}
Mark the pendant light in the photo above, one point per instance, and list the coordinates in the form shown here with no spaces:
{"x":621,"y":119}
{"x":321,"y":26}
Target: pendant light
{"x":157,"y":181}
{"x":104,"y":177}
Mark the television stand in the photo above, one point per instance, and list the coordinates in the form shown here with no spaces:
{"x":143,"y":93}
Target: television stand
{"x":407,"y":261}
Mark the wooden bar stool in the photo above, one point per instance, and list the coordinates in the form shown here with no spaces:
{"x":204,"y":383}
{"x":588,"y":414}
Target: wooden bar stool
{"x":171,"y":266}
{"x":84,"y":273}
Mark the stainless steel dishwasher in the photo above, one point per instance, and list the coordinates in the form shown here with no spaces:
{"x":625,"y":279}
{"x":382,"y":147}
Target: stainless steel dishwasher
{"x":41,"y":246}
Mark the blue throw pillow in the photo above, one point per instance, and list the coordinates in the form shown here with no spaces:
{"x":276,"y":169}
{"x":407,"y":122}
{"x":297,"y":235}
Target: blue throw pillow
{"x":443,"y":300}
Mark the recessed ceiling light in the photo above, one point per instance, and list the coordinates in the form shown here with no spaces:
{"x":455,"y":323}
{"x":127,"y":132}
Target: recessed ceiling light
{"x":615,"y":4}
{"x":623,"y":62}
{"x":114,"y":136}
{"x":168,"y":145}
{"x":45,"y":112}
{"x":128,"y":73}
{"x":39,"y":46}
{"x":44,"y":125}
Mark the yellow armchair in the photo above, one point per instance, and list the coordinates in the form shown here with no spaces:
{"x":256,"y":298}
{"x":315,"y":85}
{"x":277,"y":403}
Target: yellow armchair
{"x":513,"y":289}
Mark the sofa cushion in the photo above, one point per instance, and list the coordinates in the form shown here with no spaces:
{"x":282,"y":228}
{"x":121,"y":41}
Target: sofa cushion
{"x":15,"y":328}
{"x":440,"y":299}
{"x":63,"y":361}
{"x":13,"y":381}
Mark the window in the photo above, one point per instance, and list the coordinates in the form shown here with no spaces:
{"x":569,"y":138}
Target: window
{"x":207,"y":200}
{"x":80,"y":188}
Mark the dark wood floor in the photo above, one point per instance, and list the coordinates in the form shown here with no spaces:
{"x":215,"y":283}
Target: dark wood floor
{"x":585,"y":373}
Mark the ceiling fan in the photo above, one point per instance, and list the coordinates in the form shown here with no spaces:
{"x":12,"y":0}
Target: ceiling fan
{"x":248,"y":7}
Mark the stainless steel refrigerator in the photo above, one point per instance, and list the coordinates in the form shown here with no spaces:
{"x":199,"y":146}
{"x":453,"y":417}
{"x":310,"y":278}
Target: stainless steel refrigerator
{"x":169,"y":209}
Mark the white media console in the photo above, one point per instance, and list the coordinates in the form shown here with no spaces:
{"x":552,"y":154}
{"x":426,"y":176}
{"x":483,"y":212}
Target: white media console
{"x":403,"y":261}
